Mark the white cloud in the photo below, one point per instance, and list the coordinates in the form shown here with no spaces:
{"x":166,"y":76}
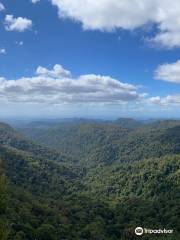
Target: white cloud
{"x":169,"y":72}
{"x":57,"y":72}
{"x":2,"y":7}
{"x":2,"y":51}
{"x":35,"y":1}
{"x":166,"y":101}
{"x":108,"y":15}
{"x":56,"y":86}
{"x":19,"y":24}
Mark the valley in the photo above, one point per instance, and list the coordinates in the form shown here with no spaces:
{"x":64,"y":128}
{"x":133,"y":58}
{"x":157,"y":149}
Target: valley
{"x":89,"y":180}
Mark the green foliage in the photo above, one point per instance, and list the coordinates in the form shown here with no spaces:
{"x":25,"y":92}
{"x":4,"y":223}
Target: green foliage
{"x":4,"y":230}
{"x":3,"y":189}
{"x":46,"y":232}
{"x":129,"y":123}
{"x":20,"y":236}
{"x":79,"y":140}
{"x":100,"y":182}
{"x":93,"y":143}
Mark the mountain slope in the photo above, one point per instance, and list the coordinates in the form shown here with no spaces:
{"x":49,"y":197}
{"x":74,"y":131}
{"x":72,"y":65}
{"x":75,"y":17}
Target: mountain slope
{"x":106,"y":143}
{"x":77,"y":139}
{"x":35,"y":167}
{"x":129,"y":123}
{"x":13,"y":138}
{"x":105,"y":198}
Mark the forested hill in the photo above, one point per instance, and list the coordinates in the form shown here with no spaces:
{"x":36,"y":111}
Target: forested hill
{"x":89,"y":180}
{"x":129,"y":123}
{"x":93,"y":143}
{"x":13,"y":138}
{"x":33,"y":166}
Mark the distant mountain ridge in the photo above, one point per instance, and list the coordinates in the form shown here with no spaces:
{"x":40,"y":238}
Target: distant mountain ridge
{"x":129,"y":123}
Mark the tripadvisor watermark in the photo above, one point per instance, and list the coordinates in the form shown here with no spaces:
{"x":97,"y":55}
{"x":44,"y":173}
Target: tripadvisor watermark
{"x":140,"y":231}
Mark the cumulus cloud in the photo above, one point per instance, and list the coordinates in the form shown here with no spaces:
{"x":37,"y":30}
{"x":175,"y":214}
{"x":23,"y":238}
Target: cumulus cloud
{"x":166,"y":101}
{"x":108,"y":15}
{"x":56,"y":86}
{"x":19,"y":24}
{"x":169,"y":72}
{"x":57,"y":72}
{"x":2,"y":7}
{"x":2,"y":51}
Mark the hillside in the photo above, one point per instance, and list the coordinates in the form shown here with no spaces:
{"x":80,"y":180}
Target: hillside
{"x":77,"y":139}
{"x":13,"y":138}
{"x":110,"y":180}
{"x":92,"y":143}
{"x":129,"y":123}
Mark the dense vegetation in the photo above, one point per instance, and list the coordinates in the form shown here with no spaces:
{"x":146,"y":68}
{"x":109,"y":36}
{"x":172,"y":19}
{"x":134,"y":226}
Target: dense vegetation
{"x":106,"y":143}
{"x":88,"y":180}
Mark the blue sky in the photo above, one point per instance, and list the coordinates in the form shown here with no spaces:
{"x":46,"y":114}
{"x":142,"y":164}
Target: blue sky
{"x":117,"y":66}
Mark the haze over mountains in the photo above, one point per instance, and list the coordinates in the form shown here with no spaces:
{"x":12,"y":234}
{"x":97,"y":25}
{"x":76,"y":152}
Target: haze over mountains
{"x":88,"y":179}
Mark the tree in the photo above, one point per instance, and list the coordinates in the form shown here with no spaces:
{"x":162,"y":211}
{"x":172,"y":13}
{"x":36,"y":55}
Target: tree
{"x":4,"y":231}
{"x":20,"y":236}
{"x":46,"y":232}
